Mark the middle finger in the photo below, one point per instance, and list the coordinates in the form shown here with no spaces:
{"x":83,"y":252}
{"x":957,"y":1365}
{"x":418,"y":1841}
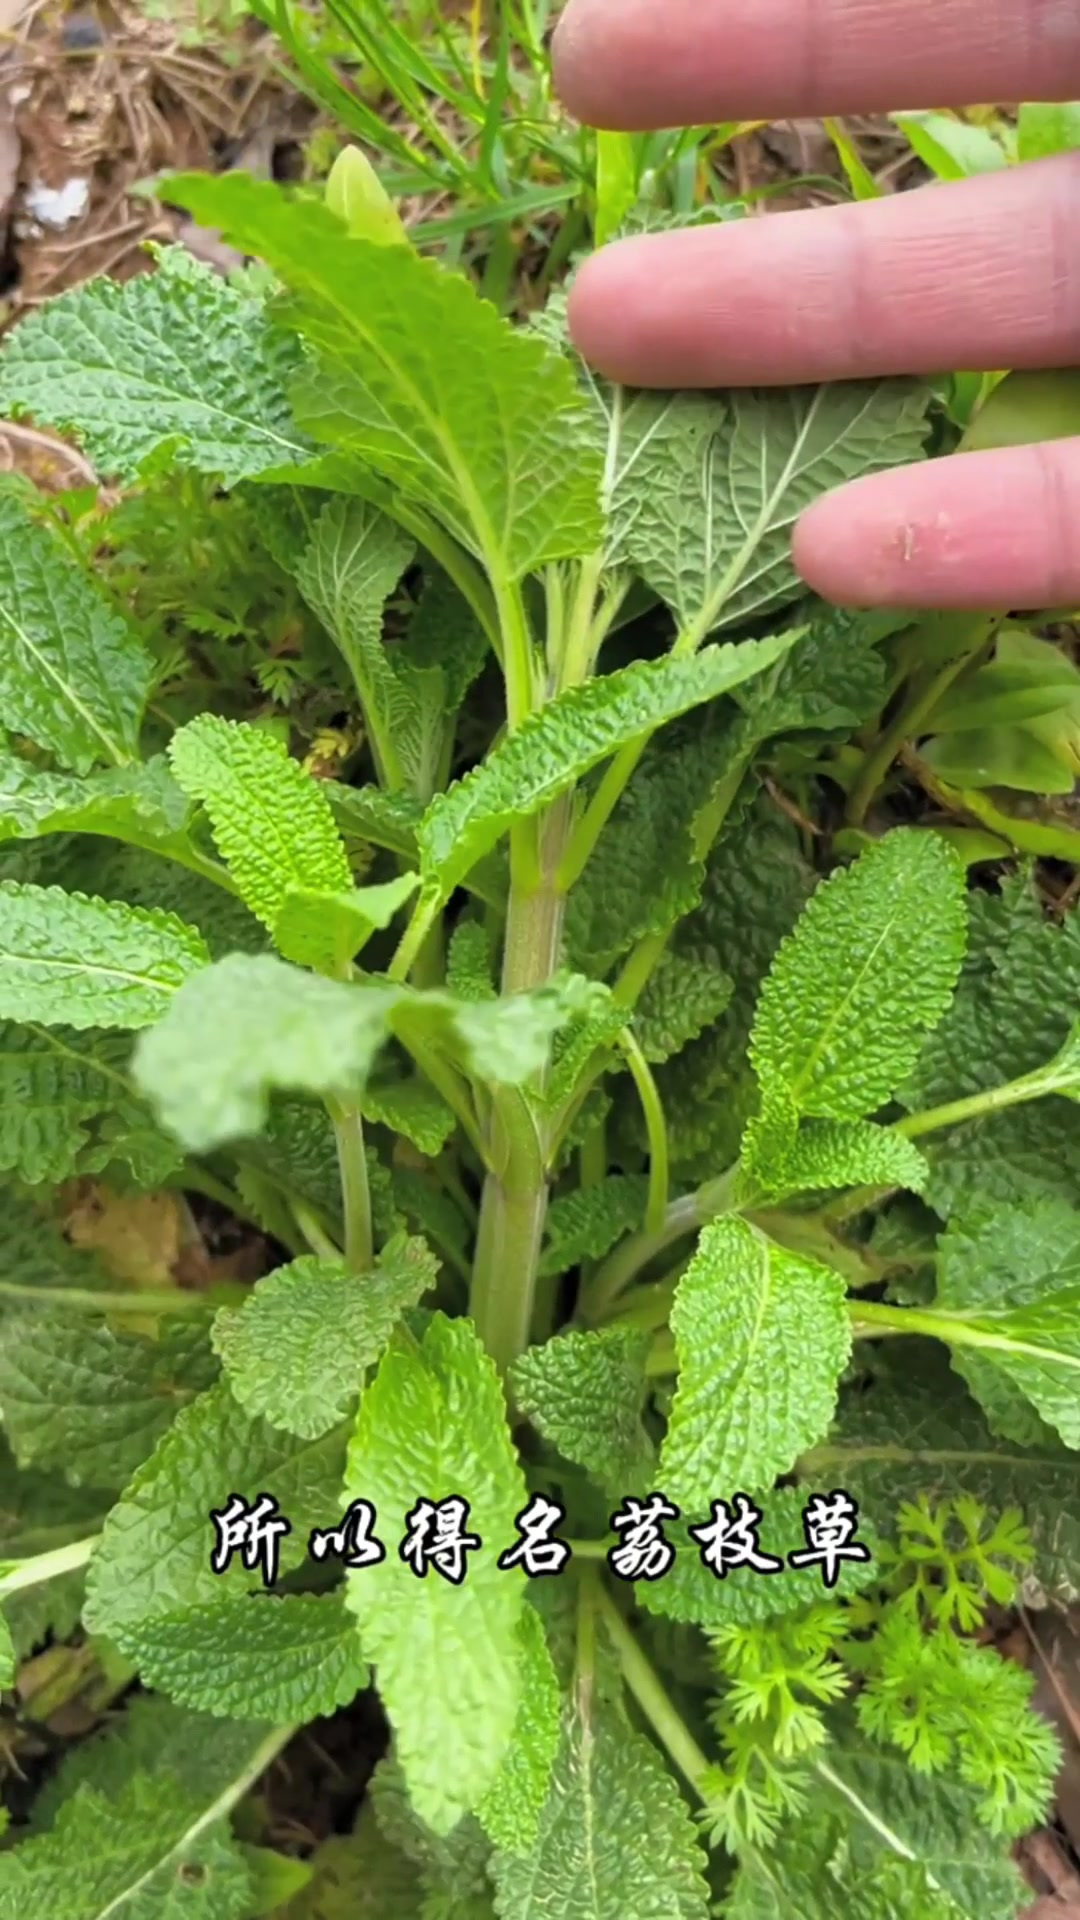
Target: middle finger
{"x":982,"y":274}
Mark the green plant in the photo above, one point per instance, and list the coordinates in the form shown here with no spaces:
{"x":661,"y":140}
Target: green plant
{"x":607,"y":1147}
{"x":459,"y":107}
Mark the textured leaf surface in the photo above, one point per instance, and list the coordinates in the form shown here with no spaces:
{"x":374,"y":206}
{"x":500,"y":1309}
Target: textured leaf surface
{"x":510,"y":1810}
{"x":933,"y":1820}
{"x":452,"y":1867}
{"x":554,"y":747}
{"x":616,"y":1836}
{"x":1017,"y":996}
{"x":67,"y":1107}
{"x":248,"y":1025}
{"x":326,"y":930}
{"x":868,"y":971}
{"x":142,"y":879}
{"x":754,"y":885}
{"x":832,"y":680}
{"x":685,"y":993}
{"x":154,"y":1556}
{"x":92,"y":1403}
{"x":271,"y":820}
{"x":411,"y":1108}
{"x":585,"y":1223}
{"x":824,"y":1154}
{"x":8,"y":1661}
{"x":140,"y":804}
{"x":692,"y":1593}
{"x":432,"y":1424}
{"x":352,"y":566}
{"x":71,"y":961}
{"x":139,"y":1829}
{"x":297,"y":1350}
{"x":371,"y":814}
{"x":202,"y":1756}
{"x":135,"y":1856}
{"x":704,"y":510}
{"x":920,"y":1432}
{"x":444,"y":633}
{"x":1013,"y":1275}
{"x":810,"y":1868}
{"x":1015,"y":1002}
{"x":644,"y":874}
{"x":284,"y":1659}
{"x":479,"y":422}
{"x":585,"y":1393}
{"x":177,"y":358}
{"x":74,"y":676}
{"x":762,"y":1337}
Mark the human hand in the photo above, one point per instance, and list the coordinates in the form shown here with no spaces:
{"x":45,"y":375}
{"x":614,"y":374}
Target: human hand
{"x":980,"y":275}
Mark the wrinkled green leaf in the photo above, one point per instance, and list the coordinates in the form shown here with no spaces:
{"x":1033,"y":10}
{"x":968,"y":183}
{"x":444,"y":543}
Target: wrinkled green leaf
{"x":271,"y":821}
{"x":510,"y":1810}
{"x":298,"y":1349}
{"x":420,"y":377}
{"x":90,"y":1402}
{"x":432,"y":1425}
{"x":178,"y":359}
{"x":280,"y":1658}
{"x":762,"y":1337}
{"x":704,"y":507}
{"x":153,"y":1560}
{"x":70,"y":961}
{"x":74,"y":676}
{"x":616,"y":1836}
{"x":554,"y":747}
{"x":867,"y":972}
{"x":585,"y":1393}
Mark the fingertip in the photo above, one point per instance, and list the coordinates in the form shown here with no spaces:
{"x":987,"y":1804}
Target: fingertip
{"x":602,"y":311}
{"x":588,"y":55}
{"x":980,"y":530}
{"x":569,"y":56}
{"x":830,"y":551}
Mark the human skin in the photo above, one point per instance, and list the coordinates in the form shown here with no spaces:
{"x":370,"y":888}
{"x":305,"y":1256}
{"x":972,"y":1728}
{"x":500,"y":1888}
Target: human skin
{"x":980,"y":275}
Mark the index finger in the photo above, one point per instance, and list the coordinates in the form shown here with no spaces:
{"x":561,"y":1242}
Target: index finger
{"x":636,"y":64}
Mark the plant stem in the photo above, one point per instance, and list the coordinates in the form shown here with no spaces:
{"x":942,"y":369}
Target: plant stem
{"x":514,"y":1202}
{"x":92,"y":1300}
{"x":579,"y":642}
{"x":662,"y":1359}
{"x":600,"y":809}
{"x":656,"y":1129}
{"x":1012,"y":1093}
{"x":614,"y":1275}
{"x":653,"y":1698}
{"x":683,"y":1216}
{"x":48,"y":1566}
{"x":869,"y":1318}
{"x":355,"y":1192}
{"x":193,"y":1179}
{"x":462,"y":569}
{"x":312,"y":1231}
{"x":648,"y":1307}
{"x":924,"y":697}
{"x":423,"y":918}
{"x":518,"y":665}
